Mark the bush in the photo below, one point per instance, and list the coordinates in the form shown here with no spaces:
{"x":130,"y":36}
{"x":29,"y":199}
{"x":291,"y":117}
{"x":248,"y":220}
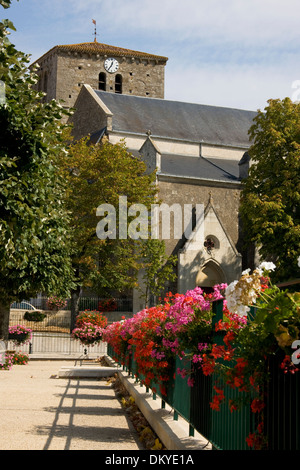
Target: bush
{"x":7,"y":363}
{"x":19,"y":358}
{"x":35,"y":316}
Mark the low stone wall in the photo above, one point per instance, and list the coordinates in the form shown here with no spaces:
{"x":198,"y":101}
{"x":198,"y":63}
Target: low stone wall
{"x":61,"y":317}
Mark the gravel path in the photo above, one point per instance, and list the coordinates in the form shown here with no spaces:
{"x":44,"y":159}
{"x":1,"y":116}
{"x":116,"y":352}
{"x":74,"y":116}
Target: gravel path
{"x":39,"y":411}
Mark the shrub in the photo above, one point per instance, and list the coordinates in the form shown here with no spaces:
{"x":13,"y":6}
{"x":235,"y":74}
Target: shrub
{"x":34,"y":315}
{"x":19,"y":358}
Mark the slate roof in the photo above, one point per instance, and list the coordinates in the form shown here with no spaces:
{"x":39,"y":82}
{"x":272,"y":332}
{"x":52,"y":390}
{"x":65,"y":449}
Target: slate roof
{"x":198,"y":167}
{"x":178,"y":120}
{"x":183,"y":166}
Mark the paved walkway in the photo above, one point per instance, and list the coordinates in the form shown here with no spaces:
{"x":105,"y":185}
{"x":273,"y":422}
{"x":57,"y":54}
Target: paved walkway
{"x":39,"y":411}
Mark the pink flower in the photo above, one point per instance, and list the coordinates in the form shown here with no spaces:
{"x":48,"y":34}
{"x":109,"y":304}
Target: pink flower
{"x":191,"y":382}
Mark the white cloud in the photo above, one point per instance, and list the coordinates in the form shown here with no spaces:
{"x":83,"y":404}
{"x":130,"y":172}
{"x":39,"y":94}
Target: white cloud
{"x":236,"y":53}
{"x":249,"y":21}
{"x":245,"y":87}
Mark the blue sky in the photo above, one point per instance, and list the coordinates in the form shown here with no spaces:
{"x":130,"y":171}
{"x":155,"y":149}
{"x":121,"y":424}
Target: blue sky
{"x":235,"y":53}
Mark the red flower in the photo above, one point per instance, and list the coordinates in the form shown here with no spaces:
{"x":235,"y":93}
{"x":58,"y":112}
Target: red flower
{"x":208,"y":365}
{"x":255,"y":441}
{"x":257,"y":405}
{"x":217,"y":399}
{"x":232,"y":405}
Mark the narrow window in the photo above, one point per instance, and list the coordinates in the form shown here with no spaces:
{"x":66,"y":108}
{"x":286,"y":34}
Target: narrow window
{"x":118,"y":84}
{"x":102,"y":81}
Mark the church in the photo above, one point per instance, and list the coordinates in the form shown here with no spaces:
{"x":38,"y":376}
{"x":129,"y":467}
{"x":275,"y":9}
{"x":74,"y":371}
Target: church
{"x":199,"y":151}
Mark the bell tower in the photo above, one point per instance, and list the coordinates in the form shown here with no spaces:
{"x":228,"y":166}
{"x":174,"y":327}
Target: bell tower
{"x":64,"y":69}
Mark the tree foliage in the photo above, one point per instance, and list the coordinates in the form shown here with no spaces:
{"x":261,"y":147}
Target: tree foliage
{"x":270,"y":202}
{"x":5,"y":3}
{"x":34,"y":244}
{"x":159,"y":269}
{"x":95,"y":175}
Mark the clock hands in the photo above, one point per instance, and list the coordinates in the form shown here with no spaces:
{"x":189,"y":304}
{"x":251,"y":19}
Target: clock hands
{"x":111,"y":65}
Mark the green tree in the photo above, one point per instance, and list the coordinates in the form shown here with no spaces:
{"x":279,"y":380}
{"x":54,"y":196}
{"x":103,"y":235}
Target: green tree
{"x":34,"y":243}
{"x":270,"y":198}
{"x":95,"y":175}
{"x":159,"y":269}
{"x":5,"y":3}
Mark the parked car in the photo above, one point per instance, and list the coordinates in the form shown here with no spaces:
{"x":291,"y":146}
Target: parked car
{"x":24,"y":305}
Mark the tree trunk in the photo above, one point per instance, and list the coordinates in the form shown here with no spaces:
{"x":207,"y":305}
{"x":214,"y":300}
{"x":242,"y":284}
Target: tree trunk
{"x":75,"y":297}
{"x":4,"y":319}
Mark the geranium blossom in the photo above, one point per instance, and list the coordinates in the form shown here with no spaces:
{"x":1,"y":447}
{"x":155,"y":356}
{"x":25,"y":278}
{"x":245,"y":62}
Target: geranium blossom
{"x":88,"y":334}
{"x":244,"y":292}
{"x":18,"y":331}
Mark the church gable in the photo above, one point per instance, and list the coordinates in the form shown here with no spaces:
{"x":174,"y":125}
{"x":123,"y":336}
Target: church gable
{"x":209,"y":255}
{"x":151,"y":155}
{"x":91,"y":115}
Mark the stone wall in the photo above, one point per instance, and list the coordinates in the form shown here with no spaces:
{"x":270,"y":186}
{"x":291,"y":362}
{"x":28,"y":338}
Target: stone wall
{"x":68,"y":72}
{"x":225,"y":201}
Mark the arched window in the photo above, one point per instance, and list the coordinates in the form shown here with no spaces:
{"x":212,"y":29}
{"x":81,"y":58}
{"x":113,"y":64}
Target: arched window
{"x":102,"y":81}
{"x":118,"y":83}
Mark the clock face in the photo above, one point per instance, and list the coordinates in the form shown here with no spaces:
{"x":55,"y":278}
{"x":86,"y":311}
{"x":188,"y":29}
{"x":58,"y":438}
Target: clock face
{"x":111,"y":65}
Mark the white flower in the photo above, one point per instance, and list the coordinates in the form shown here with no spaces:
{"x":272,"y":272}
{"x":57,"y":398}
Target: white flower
{"x":247,"y":271}
{"x":267,"y":266}
{"x":242,"y":310}
{"x":299,"y":261}
{"x":233,"y":303}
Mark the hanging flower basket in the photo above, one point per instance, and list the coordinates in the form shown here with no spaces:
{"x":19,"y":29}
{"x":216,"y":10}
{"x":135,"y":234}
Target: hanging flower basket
{"x":56,"y":303}
{"x":19,"y":334}
{"x":88,"y":334}
{"x":34,"y":315}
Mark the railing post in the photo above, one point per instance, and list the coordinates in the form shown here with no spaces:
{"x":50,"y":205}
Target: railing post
{"x":217,"y":308}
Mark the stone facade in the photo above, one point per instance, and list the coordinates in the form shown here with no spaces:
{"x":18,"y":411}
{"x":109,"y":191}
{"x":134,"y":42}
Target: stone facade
{"x":64,"y":69}
{"x":200,"y":156}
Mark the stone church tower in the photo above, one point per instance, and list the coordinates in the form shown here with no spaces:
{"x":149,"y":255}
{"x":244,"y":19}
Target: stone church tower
{"x":64,"y":69}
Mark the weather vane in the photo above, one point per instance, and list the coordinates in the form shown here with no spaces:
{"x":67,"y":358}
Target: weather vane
{"x":95,"y":33}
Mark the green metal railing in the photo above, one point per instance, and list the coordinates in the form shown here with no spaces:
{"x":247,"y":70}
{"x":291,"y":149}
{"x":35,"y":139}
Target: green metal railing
{"x":228,"y":430}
